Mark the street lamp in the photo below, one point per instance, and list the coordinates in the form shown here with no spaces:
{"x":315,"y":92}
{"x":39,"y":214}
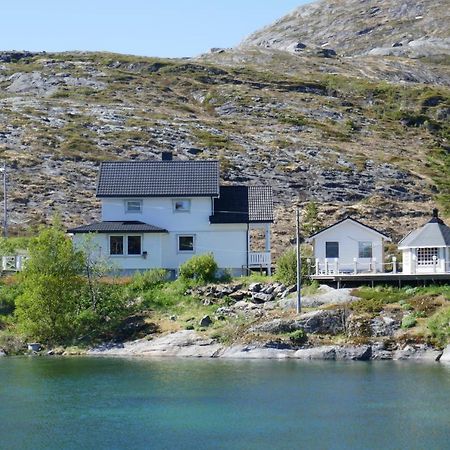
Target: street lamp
{"x":5,"y":204}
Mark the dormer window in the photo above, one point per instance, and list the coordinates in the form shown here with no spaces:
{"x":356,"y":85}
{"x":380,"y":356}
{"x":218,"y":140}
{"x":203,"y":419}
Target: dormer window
{"x":133,"y":206}
{"x":181,"y":205}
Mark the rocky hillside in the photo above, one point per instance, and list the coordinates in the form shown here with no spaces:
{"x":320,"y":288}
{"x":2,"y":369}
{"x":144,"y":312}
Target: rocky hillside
{"x":412,"y":28}
{"x":365,"y":135}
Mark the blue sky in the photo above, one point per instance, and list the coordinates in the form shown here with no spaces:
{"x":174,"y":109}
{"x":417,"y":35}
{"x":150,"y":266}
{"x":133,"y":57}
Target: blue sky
{"x":170,"y":28}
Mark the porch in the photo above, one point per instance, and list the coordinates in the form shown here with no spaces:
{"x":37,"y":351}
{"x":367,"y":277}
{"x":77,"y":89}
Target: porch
{"x":14,"y":263}
{"x":258,"y":248}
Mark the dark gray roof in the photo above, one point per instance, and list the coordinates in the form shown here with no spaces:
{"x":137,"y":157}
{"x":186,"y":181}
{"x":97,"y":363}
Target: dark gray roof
{"x":353,"y":220}
{"x":433,"y":234}
{"x":158,"y":179}
{"x":118,"y":227}
{"x":243,"y":204}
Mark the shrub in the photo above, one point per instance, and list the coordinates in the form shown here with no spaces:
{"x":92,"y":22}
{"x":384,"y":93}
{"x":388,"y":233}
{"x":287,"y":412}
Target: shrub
{"x":144,"y":281}
{"x":439,"y":325}
{"x":298,"y":337}
{"x":201,"y":268}
{"x":409,"y":321}
{"x":287,"y":267}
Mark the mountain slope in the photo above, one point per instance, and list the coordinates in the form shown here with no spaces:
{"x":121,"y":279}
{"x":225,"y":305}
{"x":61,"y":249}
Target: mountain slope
{"x":415,"y":28}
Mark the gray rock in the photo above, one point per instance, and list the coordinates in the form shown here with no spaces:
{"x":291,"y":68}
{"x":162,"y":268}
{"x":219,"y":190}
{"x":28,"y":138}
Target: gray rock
{"x":205,"y":321}
{"x":417,"y":353}
{"x":256,"y":352}
{"x":321,"y":353}
{"x":255,"y":287}
{"x":259,"y":297}
{"x":275,"y":326}
{"x":357,"y":353}
{"x":384,"y":326}
{"x":34,"y":347}
{"x":322,"y":321}
{"x":445,"y":358}
{"x":2,"y":352}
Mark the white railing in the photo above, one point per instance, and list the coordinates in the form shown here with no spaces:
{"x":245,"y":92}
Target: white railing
{"x":334,"y":266}
{"x":13,"y":263}
{"x":258,"y":259}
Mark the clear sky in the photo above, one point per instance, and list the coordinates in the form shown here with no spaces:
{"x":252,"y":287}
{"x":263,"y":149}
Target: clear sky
{"x":170,"y":28}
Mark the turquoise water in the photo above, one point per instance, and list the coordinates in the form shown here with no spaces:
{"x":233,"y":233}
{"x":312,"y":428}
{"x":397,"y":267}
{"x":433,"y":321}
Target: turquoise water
{"x":106,"y":403}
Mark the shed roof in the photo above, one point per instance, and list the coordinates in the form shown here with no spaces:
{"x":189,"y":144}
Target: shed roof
{"x":243,"y":204}
{"x":158,"y":179}
{"x":118,"y":227}
{"x":435,"y":233}
{"x":352,"y":220}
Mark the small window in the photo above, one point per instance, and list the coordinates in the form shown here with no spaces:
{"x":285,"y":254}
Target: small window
{"x":181,"y":205}
{"x":425,"y":256}
{"x":185,"y":243}
{"x":116,"y":245}
{"x":134,"y":245}
{"x":332,"y":250}
{"x":365,"y":249}
{"x":133,"y":206}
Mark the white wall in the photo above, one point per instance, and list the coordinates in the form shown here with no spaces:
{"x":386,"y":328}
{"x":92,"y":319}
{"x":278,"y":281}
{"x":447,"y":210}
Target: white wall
{"x":151,"y":243}
{"x":349,"y":234}
{"x":410,"y":266}
{"x":159,"y":212}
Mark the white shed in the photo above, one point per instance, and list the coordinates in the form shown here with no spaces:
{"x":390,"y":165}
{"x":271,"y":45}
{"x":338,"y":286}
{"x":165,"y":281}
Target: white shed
{"x":427,"y":249}
{"x":348,"y":246}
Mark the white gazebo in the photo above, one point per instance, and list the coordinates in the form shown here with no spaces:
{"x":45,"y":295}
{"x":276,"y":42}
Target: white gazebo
{"x":426,"y":250}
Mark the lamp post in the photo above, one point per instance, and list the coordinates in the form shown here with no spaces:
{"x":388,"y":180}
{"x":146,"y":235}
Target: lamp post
{"x":5,"y":203}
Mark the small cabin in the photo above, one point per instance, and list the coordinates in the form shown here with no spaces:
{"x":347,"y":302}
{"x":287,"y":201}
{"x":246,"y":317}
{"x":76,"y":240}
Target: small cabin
{"x":426,"y":250}
{"x":348,"y":246}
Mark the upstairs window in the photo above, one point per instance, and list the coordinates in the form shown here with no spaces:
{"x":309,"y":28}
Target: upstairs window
{"x":133,"y":206}
{"x":425,"y":256}
{"x":365,"y":249}
{"x":134,"y":245}
{"x":116,"y":245}
{"x":186,"y":243}
{"x":181,"y":205}
{"x":331,"y":249}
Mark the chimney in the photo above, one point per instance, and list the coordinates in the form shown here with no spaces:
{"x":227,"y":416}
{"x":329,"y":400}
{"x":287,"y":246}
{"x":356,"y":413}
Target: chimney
{"x":166,"y":156}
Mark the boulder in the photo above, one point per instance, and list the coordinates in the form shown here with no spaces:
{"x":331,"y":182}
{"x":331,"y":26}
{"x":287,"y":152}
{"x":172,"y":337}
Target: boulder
{"x":259,"y":297}
{"x":275,"y":326}
{"x":34,"y":347}
{"x":417,"y":353}
{"x":356,"y":353}
{"x":2,"y":353}
{"x":322,"y":321}
{"x":205,"y":321}
{"x":238,"y":295}
{"x":255,"y":287}
{"x":445,"y":358}
{"x":326,"y":352}
{"x":384,"y":326}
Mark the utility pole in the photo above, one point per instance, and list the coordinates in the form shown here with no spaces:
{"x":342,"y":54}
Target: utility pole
{"x":299,"y":265}
{"x":5,"y":204}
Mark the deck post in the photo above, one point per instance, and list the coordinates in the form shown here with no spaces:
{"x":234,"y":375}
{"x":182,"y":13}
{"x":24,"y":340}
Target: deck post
{"x":336,"y":265}
{"x":374,"y":265}
{"x":355,"y":266}
{"x":413,"y":263}
{"x":435,"y":263}
{"x":394,"y":264}
{"x":326,"y":266}
{"x":317,"y":266}
{"x":308,"y":262}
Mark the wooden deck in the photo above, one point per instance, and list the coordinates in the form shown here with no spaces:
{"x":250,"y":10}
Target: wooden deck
{"x":398,"y":279}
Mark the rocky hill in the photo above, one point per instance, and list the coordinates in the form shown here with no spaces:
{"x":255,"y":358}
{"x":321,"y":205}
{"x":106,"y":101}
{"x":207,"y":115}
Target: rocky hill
{"x":412,"y":28}
{"x":363,"y":135}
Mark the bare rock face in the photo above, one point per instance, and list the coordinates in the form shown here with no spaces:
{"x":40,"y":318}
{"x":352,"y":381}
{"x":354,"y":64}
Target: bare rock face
{"x":407,"y":28}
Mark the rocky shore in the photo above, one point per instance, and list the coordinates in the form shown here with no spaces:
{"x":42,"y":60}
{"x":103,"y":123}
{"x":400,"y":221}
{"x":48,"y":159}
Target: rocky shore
{"x":189,"y":343}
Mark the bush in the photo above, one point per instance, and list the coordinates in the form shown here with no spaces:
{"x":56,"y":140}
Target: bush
{"x":409,"y":321}
{"x":144,"y":281}
{"x":201,"y":268}
{"x":298,"y":337}
{"x":286,"y":271}
{"x":439,"y":325}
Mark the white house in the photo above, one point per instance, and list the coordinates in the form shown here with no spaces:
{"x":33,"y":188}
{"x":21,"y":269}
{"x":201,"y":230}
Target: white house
{"x":158,"y":214}
{"x":348,"y":246}
{"x":427,"y":249}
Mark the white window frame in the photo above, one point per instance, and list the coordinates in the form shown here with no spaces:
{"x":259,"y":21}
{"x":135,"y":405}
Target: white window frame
{"x":363,"y":243}
{"x":134,"y":200}
{"x":193,"y":243}
{"x":125,"y":245}
{"x":186,"y":201}
{"x":425,"y":256}
{"x":338,"y":249}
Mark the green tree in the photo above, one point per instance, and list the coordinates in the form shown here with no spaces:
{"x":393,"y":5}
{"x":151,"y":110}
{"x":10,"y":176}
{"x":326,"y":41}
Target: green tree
{"x":286,"y":269}
{"x":52,"y":283}
{"x":311,"y":222}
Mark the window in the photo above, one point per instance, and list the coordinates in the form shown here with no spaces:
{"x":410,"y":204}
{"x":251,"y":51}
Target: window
{"x":116,"y":245}
{"x":181,"y":205}
{"x":331,"y":249}
{"x":365,"y":249}
{"x":134,"y":245}
{"x":425,"y":256}
{"x":185,"y":243}
{"x":133,"y":206}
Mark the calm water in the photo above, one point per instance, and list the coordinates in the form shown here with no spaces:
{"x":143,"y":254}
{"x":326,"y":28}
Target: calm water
{"x":97,"y":403}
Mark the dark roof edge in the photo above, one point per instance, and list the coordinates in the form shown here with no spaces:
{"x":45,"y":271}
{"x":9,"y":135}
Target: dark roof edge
{"x":354,"y":220}
{"x":215,"y":195}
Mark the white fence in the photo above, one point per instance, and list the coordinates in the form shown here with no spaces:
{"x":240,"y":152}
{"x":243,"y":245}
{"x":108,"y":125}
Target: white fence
{"x":257,"y":259}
